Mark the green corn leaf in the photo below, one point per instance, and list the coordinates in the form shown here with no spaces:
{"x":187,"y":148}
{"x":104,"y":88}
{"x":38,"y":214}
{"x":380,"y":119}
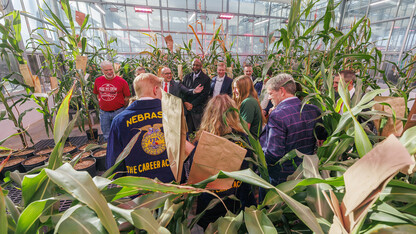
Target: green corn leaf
{"x":79,"y":219}
{"x":169,"y":210}
{"x":3,"y":215}
{"x":153,"y":200}
{"x":230,"y":224}
{"x":29,"y":219}
{"x":80,"y":185}
{"x":141,"y":218}
{"x":258,"y":222}
{"x":62,"y":117}
{"x":408,"y":139}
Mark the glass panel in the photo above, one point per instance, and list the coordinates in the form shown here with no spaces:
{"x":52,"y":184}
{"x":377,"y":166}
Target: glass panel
{"x":212,"y":23}
{"x":354,"y":10}
{"x":122,"y":40}
{"x":247,"y":7}
{"x":382,"y":9}
{"x":24,"y":30}
{"x":153,"y":2}
{"x":115,"y":1}
{"x":17,"y":5}
{"x":246,"y":25}
{"x":177,"y":3}
{"x":262,"y":8}
{"x":136,"y":20}
{"x":178,"y":21}
{"x":233,"y":6}
{"x":96,"y":38}
{"x":139,"y":41}
{"x":116,"y":20}
{"x":259,"y":44}
{"x":137,"y":2}
{"x":95,"y":17}
{"x":406,"y":7}
{"x":154,"y":20}
{"x":31,"y":7}
{"x":232,"y":25}
{"x":214,"y":5}
{"x":165,"y":3}
{"x":380,"y":34}
{"x":411,"y":37}
{"x":191,"y":4}
{"x":275,"y":24}
{"x":244,"y":45}
{"x":260,"y":26}
{"x":397,"y":36}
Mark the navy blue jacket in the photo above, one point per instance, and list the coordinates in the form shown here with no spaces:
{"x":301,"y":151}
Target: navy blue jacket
{"x":226,"y":87}
{"x":148,"y":157}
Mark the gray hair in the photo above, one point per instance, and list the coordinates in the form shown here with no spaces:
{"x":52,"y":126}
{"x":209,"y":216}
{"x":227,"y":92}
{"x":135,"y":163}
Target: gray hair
{"x":282,"y":80}
{"x":105,"y":63}
{"x":164,"y":69}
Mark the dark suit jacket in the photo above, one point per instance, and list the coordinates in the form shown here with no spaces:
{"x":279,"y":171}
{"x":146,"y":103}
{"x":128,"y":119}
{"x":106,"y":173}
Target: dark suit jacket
{"x":177,"y":88}
{"x":226,"y":87}
{"x":288,"y":129}
{"x":198,"y":100}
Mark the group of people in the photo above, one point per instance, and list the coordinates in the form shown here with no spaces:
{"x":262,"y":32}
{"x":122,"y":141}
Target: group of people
{"x":290,"y":125}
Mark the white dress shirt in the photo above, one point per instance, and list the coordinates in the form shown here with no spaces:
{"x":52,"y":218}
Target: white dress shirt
{"x":217,"y":86}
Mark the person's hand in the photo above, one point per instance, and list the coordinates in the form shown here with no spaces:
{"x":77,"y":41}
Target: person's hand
{"x":271,"y":109}
{"x":188,"y":106}
{"x":198,"y":89}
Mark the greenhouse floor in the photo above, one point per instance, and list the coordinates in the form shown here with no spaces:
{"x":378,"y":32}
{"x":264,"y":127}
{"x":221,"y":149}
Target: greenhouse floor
{"x":37,"y":132}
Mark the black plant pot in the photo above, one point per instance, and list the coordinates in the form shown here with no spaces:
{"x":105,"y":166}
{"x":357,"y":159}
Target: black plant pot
{"x":28,"y":152}
{"x":90,"y":169}
{"x":100,"y":156}
{"x":17,"y":166}
{"x":29,"y":165}
{"x":94,"y":136}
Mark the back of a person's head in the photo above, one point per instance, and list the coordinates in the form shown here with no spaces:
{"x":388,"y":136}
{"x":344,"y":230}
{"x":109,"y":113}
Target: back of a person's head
{"x":347,"y":75}
{"x":245,"y":88}
{"x":212,"y":120}
{"x":144,"y":83}
{"x":282,"y":80}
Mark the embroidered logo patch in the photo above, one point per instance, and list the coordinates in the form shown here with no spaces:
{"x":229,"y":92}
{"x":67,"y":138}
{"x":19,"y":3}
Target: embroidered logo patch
{"x":153,"y":142}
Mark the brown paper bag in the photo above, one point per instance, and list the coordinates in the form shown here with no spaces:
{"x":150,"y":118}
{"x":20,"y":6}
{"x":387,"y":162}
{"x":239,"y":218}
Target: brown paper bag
{"x":169,"y":42}
{"x":81,"y":62}
{"x":213,"y":154}
{"x":54,"y":84}
{"x":79,"y":17}
{"x":397,"y":103}
{"x":174,"y":127}
{"x":230,"y":72}
{"x":36,"y":82}
{"x":366,"y":175}
{"x":180,"y":72}
{"x":411,"y":119}
{"x":27,"y":75}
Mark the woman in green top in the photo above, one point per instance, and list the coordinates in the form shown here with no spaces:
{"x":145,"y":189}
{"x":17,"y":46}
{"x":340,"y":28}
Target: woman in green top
{"x":246,"y":98}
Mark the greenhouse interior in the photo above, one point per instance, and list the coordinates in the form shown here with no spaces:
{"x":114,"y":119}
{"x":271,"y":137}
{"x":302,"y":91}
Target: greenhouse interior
{"x":208,"y":116}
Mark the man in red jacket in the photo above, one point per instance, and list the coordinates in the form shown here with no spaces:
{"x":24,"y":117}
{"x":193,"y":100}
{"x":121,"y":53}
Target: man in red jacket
{"x":113,"y":94}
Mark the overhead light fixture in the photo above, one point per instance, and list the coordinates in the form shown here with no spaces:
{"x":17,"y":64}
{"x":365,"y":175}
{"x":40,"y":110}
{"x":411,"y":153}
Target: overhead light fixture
{"x":192,"y":17}
{"x":261,"y":22}
{"x":226,"y":16}
{"x":376,"y":3}
{"x":99,"y":8}
{"x":143,"y":9}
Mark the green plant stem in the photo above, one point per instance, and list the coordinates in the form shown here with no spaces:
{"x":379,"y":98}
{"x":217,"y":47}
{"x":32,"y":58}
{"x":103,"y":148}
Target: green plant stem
{"x":13,"y":118}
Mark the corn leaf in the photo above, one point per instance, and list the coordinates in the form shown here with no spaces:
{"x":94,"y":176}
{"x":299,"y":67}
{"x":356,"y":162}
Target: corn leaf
{"x":258,"y":222}
{"x":79,"y":219}
{"x":3,"y":215}
{"x":230,"y":224}
{"x":80,"y":185}
{"x":29,"y":219}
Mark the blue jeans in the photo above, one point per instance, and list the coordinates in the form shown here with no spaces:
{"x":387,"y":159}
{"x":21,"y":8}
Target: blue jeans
{"x":105,"y":121}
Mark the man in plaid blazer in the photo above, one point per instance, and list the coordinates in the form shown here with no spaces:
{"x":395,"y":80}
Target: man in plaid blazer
{"x":288,"y":127}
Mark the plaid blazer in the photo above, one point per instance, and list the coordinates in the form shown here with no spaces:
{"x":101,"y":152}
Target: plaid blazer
{"x":288,"y":128}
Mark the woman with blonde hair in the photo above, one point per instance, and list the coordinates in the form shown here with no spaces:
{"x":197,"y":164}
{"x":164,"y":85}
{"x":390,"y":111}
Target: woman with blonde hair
{"x":248,"y":103}
{"x":212,"y":122}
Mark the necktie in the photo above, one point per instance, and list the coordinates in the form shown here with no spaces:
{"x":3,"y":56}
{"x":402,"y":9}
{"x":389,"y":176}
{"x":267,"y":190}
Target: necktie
{"x":166,"y":87}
